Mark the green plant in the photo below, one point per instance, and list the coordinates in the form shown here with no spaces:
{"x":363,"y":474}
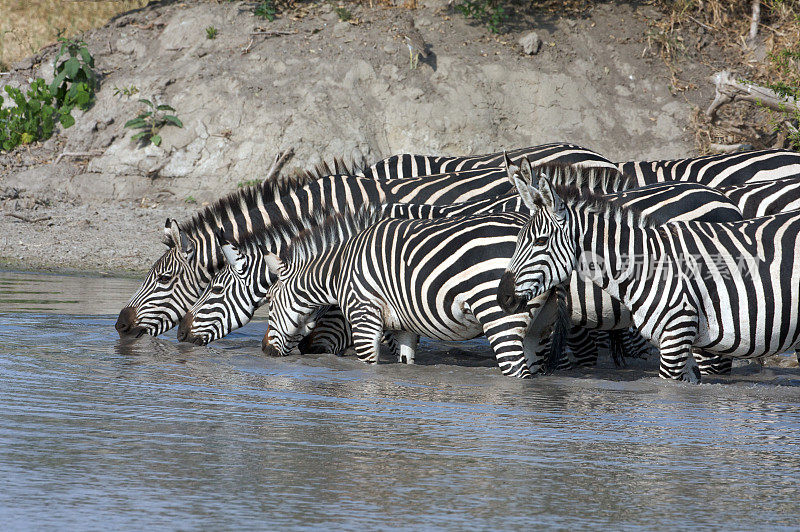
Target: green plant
{"x":190,"y":200}
{"x":150,"y":121}
{"x":75,"y":81}
{"x":266,"y":10}
{"x":211,"y":32}
{"x":489,"y":12}
{"x":35,"y":114}
{"x":248,"y":183}
{"x":343,"y":14}
{"x":126,"y":91}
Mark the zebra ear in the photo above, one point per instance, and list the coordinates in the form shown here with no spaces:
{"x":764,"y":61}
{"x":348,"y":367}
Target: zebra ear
{"x":172,"y":233}
{"x":530,"y":196}
{"x":550,"y":198}
{"x":525,"y":172}
{"x":512,"y":170}
{"x":274,"y":264}
{"x":233,"y":256}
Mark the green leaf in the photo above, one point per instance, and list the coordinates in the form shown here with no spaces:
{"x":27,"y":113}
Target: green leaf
{"x":71,"y":66}
{"x":146,"y":101}
{"x":67,"y":120}
{"x":139,"y":135}
{"x":156,"y":139}
{"x":87,"y":57}
{"x":82,"y":99}
{"x":165,"y":107}
{"x":135,"y":122}
{"x":174,"y":120}
{"x":57,"y":81}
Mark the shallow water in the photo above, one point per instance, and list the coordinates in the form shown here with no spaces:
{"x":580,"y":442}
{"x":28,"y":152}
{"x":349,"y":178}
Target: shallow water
{"x":97,"y":433}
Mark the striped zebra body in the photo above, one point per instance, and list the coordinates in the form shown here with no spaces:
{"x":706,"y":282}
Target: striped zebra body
{"x":765,"y":198}
{"x":718,"y":170}
{"x":723,"y":307}
{"x":433,"y":278}
{"x":409,"y":165}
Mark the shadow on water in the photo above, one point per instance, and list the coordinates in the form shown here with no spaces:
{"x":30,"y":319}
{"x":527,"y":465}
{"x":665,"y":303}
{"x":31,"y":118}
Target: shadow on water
{"x":97,"y":430}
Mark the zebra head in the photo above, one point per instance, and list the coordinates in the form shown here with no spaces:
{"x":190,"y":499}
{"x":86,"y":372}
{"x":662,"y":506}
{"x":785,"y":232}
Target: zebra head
{"x":167,"y":292}
{"x":544,"y":256}
{"x":230,"y":300}
{"x":291,"y":316}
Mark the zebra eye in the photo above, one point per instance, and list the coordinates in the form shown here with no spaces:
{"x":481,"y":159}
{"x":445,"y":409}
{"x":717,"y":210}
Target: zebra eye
{"x":164,"y":278}
{"x":541,"y":241}
{"x":217,"y":289}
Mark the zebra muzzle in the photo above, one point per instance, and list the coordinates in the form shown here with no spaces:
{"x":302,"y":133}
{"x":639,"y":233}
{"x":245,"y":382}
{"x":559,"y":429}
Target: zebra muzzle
{"x":508,"y":300}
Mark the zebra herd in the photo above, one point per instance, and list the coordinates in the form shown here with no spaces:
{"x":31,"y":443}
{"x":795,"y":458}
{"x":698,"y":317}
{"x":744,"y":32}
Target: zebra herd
{"x":542,"y":250}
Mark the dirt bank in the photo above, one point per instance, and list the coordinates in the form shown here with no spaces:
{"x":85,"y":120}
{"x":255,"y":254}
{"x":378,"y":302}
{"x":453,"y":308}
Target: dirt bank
{"x":324,"y":88}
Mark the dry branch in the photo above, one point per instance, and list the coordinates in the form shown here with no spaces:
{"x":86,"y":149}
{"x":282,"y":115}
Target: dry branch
{"x":272,"y":33}
{"x":27,"y":218}
{"x":730,"y":148}
{"x":755,"y":19}
{"x":729,"y":90}
{"x":76,"y":154}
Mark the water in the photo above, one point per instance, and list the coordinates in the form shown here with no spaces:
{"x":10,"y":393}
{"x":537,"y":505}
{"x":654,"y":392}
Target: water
{"x":99,"y":433}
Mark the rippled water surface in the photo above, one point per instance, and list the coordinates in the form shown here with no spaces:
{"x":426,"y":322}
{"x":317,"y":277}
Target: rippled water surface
{"x":100,"y":433}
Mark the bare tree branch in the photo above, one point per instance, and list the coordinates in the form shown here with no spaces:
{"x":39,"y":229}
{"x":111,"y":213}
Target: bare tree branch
{"x":729,"y":89}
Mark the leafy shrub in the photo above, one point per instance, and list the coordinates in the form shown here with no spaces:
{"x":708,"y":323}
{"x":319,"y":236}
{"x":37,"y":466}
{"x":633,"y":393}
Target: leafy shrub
{"x":489,"y":12}
{"x":151,"y":121}
{"x":266,"y":10}
{"x":211,"y":32}
{"x":36,"y":111}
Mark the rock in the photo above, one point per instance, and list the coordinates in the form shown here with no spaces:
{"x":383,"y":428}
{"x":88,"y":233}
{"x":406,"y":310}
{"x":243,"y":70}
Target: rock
{"x":531,"y":43}
{"x":23,"y":64}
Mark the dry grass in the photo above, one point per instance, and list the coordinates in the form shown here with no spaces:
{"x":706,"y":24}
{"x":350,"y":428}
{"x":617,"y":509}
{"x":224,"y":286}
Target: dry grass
{"x":28,"y":25}
{"x":773,"y":59}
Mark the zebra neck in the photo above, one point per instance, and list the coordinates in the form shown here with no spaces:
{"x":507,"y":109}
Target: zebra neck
{"x":614,"y":253}
{"x":317,"y":278}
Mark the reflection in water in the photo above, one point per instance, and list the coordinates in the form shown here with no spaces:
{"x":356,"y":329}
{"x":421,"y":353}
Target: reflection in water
{"x":96,"y":430}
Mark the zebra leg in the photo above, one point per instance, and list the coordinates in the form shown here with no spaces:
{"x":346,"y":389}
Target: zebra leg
{"x":583,"y":344}
{"x":675,"y":348}
{"x":331,"y":334}
{"x":367,"y":325}
{"x":712,"y":364}
{"x":404,"y":345}
{"x":506,"y":333}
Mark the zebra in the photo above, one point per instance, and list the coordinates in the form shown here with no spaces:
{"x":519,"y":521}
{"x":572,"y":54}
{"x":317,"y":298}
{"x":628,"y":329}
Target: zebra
{"x":717,"y":170}
{"x":432,"y":277}
{"x":727,"y":309}
{"x":178,"y":277}
{"x":239,"y":289}
{"x":765,"y":198}
{"x":409,"y":165}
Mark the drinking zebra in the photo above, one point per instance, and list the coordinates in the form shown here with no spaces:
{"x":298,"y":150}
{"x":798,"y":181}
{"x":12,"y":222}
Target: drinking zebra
{"x":179,"y":276}
{"x":731,"y":288}
{"x":433,"y":278}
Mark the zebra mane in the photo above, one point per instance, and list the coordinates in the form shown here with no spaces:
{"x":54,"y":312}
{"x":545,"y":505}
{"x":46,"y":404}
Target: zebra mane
{"x":329,"y":227}
{"x":585,"y":177}
{"x":593,"y":202}
{"x":268,"y":191}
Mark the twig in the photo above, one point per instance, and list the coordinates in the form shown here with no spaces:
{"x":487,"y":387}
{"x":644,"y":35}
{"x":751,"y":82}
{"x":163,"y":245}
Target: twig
{"x":706,"y":26}
{"x":5,"y":73}
{"x":75,"y":154}
{"x":26,"y":218}
{"x":754,"y":20}
{"x":730,"y":148}
{"x":246,"y":49}
{"x":271,"y":33}
{"x":280,"y":160}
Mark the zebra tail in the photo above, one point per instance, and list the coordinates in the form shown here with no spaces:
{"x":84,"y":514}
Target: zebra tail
{"x":617,"y":348}
{"x":560,"y":328}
